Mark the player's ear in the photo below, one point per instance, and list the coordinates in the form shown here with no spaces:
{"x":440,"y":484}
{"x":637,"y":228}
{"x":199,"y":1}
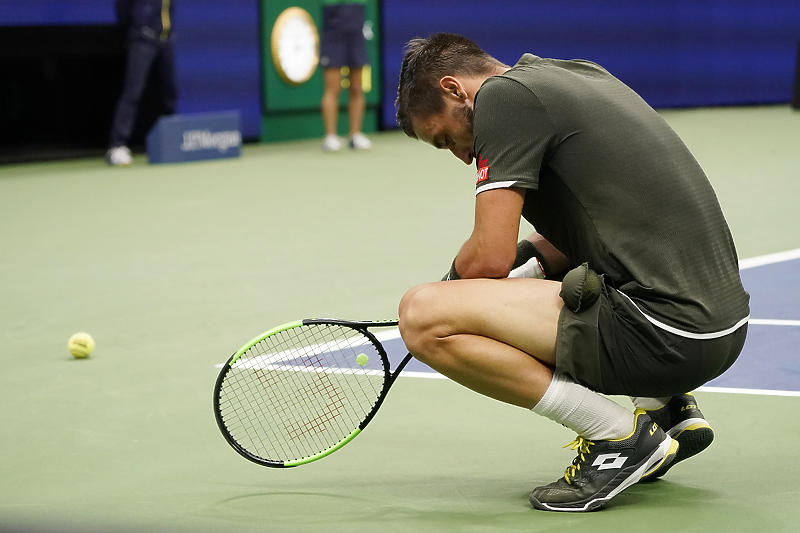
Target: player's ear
{"x":452,"y":88}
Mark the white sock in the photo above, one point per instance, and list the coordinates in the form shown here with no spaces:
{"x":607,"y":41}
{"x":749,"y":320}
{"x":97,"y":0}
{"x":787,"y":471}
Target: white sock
{"x":590,"y":415}
{"x":649,"y":404}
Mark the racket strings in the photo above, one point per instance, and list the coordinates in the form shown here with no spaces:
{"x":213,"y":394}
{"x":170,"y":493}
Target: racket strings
{"x":301,"y":391}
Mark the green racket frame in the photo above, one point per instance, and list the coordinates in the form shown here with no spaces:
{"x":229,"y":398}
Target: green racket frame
{"x":388,"y":381}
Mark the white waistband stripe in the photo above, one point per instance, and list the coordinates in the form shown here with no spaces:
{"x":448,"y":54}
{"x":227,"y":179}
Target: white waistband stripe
{"x":689,"y":334}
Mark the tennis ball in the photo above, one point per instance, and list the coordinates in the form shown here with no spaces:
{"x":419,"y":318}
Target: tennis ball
{"x":81,"y":345}
{"x":362,"y":359}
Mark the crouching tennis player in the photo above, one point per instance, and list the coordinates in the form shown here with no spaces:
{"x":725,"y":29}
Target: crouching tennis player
{"x":630,"y":285}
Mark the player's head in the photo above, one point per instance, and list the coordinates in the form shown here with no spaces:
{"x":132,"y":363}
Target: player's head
{"x":430,"y":87}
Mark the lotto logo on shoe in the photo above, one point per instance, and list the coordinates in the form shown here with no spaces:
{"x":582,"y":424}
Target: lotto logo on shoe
{"x":609,"y":460}
{"x":483,"y":169}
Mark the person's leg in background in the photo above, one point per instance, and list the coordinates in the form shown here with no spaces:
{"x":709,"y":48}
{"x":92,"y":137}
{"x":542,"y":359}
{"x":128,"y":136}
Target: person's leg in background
{"x":140,"y":58}
{"x":332,"y":78}
{"x":356,"y":107}
{"x":168,"y":88}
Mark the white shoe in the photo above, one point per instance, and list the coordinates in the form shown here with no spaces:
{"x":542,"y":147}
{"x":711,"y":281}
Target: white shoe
{"x":119,"y":156}
{"x":332,"y":143}
{"x":359,"y":141}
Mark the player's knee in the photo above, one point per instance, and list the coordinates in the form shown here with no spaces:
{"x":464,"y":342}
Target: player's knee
{"x":332,"y":94}
{"x":417,"y":319}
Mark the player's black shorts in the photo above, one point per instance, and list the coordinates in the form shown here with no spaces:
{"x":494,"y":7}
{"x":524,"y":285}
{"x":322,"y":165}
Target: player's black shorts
{"x":612,"y":348}
{"x":343,"y":43}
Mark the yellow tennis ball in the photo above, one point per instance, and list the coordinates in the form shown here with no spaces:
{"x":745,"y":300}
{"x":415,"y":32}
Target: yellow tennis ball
{"x":81,"y":345}
{"x":362,"y":359}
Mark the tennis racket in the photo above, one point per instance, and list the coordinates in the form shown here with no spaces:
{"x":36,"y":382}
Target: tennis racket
{"x":301,"y":391}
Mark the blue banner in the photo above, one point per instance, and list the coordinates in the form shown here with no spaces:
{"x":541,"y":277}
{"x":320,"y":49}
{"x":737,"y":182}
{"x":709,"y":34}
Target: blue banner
{"x":180,"y":138}
{"x":674,"y":53}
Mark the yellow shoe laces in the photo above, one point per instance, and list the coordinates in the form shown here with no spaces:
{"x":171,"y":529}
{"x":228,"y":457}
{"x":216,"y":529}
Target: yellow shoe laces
{"x":582,"y":445}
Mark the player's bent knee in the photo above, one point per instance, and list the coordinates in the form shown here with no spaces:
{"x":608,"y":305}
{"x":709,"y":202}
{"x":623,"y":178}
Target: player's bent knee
{"x":406,"y":300}
{"x":412,"y":317}
{"x":418,"y":323}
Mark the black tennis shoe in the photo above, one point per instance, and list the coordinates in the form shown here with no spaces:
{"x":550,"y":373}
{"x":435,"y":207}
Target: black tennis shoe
{"x":682,"y":420}
{"x":605,"y":468}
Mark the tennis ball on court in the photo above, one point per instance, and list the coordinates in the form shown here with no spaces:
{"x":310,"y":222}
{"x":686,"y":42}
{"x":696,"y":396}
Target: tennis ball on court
{"x":362,"y":359}
{"x":81,"y":345}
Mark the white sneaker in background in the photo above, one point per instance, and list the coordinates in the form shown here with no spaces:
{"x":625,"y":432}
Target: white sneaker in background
{"x":119,"y":156}
{"x":359,"y":141}
{"x":332,"y":143}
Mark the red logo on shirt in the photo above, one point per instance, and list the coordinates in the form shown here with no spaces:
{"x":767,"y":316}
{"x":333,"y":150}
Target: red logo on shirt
{"x":483,"y":168}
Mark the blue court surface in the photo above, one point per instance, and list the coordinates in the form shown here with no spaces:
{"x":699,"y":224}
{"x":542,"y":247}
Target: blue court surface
{"x":769,"y":363}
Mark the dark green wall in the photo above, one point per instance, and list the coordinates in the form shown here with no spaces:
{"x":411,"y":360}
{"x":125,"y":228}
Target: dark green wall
{"x":293,"y":112}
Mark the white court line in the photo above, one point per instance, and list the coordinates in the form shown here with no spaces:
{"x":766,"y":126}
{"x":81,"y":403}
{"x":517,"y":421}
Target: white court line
{"x":428,"y":375}
{"x":405,"y":373}
{"x":388,"y":335}
{"x":769,"y":259}
{"x":774,"y":322}
{"x":759,"y":392}
{"x":256,"y":365}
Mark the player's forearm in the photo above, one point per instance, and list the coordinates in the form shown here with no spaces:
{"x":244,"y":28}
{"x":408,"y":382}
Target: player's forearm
{"x":473,"y":261}
{"x":538,"y":259}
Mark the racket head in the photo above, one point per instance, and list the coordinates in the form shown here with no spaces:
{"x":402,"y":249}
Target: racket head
{"x":297,"y":393}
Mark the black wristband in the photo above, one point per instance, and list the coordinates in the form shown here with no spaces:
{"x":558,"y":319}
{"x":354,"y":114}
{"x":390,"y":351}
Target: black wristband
{"x":525,"y":250}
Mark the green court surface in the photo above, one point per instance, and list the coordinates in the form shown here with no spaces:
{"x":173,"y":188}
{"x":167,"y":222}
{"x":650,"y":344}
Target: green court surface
{"x":172,"y":268}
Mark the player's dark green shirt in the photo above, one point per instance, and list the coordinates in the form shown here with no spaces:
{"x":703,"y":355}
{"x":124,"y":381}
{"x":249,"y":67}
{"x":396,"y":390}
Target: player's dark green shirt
{"x":610,"y":183}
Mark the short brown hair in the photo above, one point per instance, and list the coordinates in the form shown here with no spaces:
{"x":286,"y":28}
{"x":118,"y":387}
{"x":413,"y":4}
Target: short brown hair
{"x":425,"y":62}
